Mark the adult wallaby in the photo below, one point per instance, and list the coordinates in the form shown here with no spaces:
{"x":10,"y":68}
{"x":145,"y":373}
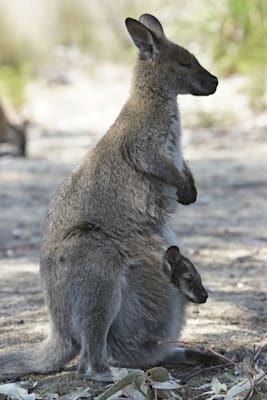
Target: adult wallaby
{"x":14,"y":134}
{"x":122,"y":194}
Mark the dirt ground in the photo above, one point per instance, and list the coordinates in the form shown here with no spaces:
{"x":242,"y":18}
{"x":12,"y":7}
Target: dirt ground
{"x":224,"y":233}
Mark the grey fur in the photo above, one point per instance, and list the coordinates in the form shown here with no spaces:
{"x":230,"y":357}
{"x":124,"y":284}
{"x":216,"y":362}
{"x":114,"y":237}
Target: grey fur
{"x":153,"y":312}
{"x":111,"y":214}
{"x":13,"y":134}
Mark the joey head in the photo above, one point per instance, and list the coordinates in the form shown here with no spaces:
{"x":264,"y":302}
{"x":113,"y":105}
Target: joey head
{"x":184,"y":275}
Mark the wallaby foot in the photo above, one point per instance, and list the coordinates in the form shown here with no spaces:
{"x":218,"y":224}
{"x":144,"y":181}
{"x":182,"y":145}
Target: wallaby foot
{"x":191,"y":357}
{"x":96,"y":373}
{"x":93,"y":363}
{"x":96,"y":369}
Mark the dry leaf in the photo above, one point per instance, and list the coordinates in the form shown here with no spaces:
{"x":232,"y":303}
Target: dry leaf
{"x":76,"y":394}
{"x":15,"y":392}
{"x":217,"y":386}
{"x":168,"y":385}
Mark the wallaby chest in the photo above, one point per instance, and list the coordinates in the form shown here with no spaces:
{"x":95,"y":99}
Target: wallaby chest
{"x":173,"y":138}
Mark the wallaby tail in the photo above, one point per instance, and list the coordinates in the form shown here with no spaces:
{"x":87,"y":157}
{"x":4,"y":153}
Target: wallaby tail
{"x":49,"y":356}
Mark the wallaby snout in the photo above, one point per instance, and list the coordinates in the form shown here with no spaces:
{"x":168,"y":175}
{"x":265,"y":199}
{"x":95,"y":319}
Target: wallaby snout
{"x":201,"y":296}
{"x":205,"y":83}
{"x":188,"y":75}
{"x":192,"y":287}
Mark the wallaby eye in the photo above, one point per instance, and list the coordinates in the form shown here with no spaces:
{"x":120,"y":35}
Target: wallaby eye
{"x":185,"y":64}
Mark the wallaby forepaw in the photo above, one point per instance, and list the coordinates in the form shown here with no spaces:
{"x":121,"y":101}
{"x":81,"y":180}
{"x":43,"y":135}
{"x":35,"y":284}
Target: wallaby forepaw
{"x":187,"y":197}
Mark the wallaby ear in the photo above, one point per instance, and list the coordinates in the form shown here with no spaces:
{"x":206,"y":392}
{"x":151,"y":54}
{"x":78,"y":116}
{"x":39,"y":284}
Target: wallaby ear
{"x":172,"y":255}
{"x":153,"y":24}
{"x":142,"y":38}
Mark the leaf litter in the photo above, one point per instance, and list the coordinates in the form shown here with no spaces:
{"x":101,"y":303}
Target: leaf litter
{"x":15,"y":392}
{"x":242,"y":380}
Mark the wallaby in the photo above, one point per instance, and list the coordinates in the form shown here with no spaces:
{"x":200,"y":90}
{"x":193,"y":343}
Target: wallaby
{"x":121,"y":195}
{"x":14,"y":134}
{"x":153,"y":312}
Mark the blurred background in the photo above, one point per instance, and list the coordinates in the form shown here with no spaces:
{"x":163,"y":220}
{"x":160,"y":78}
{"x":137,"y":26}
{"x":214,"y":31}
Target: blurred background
{"x":63,"y":42}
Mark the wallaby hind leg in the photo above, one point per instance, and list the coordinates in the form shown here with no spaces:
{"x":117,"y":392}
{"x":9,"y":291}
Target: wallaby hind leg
{"x":180,"y":355}
{"x":96,"y":295}
{"x":94,"y":331}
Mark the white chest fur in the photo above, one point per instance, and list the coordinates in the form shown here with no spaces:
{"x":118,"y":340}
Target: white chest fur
{"x":173,"y":144}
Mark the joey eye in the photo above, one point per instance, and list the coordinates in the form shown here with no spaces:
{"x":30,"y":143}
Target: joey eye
{"x":185,"y":64}
{"x":188,"y":282}
{"x":187,"y":277}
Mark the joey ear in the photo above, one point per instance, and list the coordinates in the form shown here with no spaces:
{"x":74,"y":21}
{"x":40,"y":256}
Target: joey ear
{"x":172,"y":255}
{"x":153,"y":24}
{"x":167,"y":269}
{"x":142,"y":38}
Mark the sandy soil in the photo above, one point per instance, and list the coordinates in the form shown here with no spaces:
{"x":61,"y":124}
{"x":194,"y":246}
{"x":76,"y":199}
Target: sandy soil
{"x":224,"y":233}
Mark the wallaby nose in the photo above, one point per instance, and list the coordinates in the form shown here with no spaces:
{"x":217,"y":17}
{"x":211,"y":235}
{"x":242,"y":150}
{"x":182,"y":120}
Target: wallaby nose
{"x":215,"y":80}
{"x":214,"y":83}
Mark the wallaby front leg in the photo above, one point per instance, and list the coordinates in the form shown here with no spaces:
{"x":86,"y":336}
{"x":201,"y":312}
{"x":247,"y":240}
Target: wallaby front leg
{"x":160,"y":167}
{"x":163,"y":168}
{"x":157,"y":164}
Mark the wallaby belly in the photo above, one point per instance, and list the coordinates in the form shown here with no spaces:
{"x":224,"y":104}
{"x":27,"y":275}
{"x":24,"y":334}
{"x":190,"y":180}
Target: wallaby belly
{"x":151,"y":312}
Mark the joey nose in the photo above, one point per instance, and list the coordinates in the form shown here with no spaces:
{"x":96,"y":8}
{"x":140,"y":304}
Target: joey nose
{"x":204,"y":297}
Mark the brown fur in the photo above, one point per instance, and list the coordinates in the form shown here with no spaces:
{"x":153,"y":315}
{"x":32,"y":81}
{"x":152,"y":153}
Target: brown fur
{"x":13,"y":134}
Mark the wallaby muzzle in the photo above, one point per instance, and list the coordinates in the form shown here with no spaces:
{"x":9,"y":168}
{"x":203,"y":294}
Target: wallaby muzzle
{"x":196,"y":296}
{"x":207,"y":84}
{"x":203,"y":298}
